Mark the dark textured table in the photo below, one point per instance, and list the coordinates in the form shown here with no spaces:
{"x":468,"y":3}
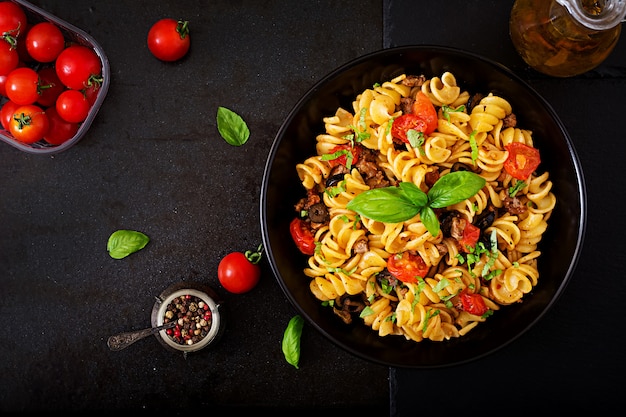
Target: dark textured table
{"x":153,"y":161}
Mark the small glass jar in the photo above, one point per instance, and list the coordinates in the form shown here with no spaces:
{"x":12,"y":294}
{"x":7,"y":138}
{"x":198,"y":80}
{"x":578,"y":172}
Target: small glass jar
{"x":563,"y":38}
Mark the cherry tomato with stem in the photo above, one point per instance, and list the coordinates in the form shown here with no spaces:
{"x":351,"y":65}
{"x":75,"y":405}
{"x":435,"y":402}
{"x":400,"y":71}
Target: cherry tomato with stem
{"x":407,"y":267}
{"x":522,"y":161}
{"x":29,"y":123}
{"x":22,"y":85}
{"x":49,"y":87}
{"x":239,"y":272}
{"x":78,"y":67}
{"x":44,"y":42}
{"x":72,"y":106}
{"x":302,"y":236}
{"x":59,"y":130}
{"x":13,"y":21}
{"x":168,"y":39}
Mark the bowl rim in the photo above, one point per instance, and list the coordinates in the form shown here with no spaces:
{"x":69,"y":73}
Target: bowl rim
{"x":445,"y":50}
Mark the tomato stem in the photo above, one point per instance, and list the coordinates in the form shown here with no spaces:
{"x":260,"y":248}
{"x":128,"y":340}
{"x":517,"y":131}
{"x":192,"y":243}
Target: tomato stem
{"x":255,"y":257}
{"x":23,"y":120}
{"x":182,"y":28}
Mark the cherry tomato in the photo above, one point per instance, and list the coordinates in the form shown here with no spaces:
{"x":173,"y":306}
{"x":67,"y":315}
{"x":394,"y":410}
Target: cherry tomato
{"x":9,"y":58}
{"x":471,"y":234}
{"x":407,"y":122}
{"x":91,"y":93}
{"x":59,"y":130}
{"x":78,"y":67}
{"x":302,"y":236}
{"x":22,"y":85}
{"x":49,"y":87}
{"x":29,"y":123}
{"x":423,"y":107}
{"x":238,"y":272}
{"x":168,"y":39}
{"x":3,"y":85}
{"x":522,"y":160}
{"x":340,"y":155}
{"x":44,"y":42}
{"x":472,"y":303}
{"x":407,"y":267}
{"x":13,"y":20}
{"x":6,"y":114}
{"x":72,"y":106}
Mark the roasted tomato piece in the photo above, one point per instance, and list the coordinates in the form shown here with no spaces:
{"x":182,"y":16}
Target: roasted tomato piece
{"x":302,"y":236}
{"x":407,"y":267}
{"x":523,"y":160}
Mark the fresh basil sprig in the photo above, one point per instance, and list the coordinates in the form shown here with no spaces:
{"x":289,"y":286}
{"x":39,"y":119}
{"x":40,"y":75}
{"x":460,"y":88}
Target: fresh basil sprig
{"x":232,"y":127}
{"x":124,"y":242}
{"x":397,"y":204}
{"x":291,"y":340}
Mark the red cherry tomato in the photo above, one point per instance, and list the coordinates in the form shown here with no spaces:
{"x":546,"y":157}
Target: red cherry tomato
{"x":72,"y":106}
{"x":472,"y":303}
{"x":9,"y":58}
{"x":13,"y":20}
{"x":238,"y":272}
{"x":423,"y":107}
{"x":407,"y":267}
{"x":168,"y":39}
{"x":302,"y":236}
{"x":91,"y":93}
{"x":49,"y":87}
{"x":44,"y":42}
{"x":78,"y":67}
{"x":6,"y":114}
{"x":522,"y":161}
{"x":29,"y":123}
{"x":3,"y":85}
{"x":59,"y":130}
{"x":22,"y":85}
{"x":471,"y":234}
{"x":339,"y":155}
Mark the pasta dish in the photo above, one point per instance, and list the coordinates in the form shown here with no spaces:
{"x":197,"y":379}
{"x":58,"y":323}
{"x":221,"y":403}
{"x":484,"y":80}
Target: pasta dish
{"x":424,"y":209}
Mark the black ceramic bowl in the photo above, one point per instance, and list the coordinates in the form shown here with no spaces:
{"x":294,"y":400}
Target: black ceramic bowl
{"x":295,"y":141}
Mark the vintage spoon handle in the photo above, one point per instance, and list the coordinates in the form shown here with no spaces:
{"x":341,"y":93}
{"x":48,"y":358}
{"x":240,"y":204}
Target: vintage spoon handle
{"x":123,"y":340}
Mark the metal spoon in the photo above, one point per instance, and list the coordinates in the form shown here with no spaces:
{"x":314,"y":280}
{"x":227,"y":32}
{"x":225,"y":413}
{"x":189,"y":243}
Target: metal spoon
{"x":123,"y":340}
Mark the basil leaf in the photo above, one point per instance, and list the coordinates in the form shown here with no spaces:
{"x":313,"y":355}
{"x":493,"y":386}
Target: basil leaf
{"x":124,"y":242}
{"x":232,"y":127}
{"x":388,"y":205}
{"x":453,"y":188}
{"x":413,"y":193}
{"x":430,"y":220}
{"x":291,"y":340}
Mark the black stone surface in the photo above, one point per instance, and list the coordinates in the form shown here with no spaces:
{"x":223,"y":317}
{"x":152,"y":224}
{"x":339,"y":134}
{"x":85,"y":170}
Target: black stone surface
{"x":153,"y":161}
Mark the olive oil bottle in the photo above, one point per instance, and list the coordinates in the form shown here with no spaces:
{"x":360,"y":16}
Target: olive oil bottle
{"x":564,"y":38}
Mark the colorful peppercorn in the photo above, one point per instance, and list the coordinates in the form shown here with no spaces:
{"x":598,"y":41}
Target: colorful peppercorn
{"x":193,"y":316}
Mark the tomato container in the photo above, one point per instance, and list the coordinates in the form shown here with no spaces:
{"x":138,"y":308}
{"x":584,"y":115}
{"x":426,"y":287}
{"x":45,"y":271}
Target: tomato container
{"x":72,"y":35}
